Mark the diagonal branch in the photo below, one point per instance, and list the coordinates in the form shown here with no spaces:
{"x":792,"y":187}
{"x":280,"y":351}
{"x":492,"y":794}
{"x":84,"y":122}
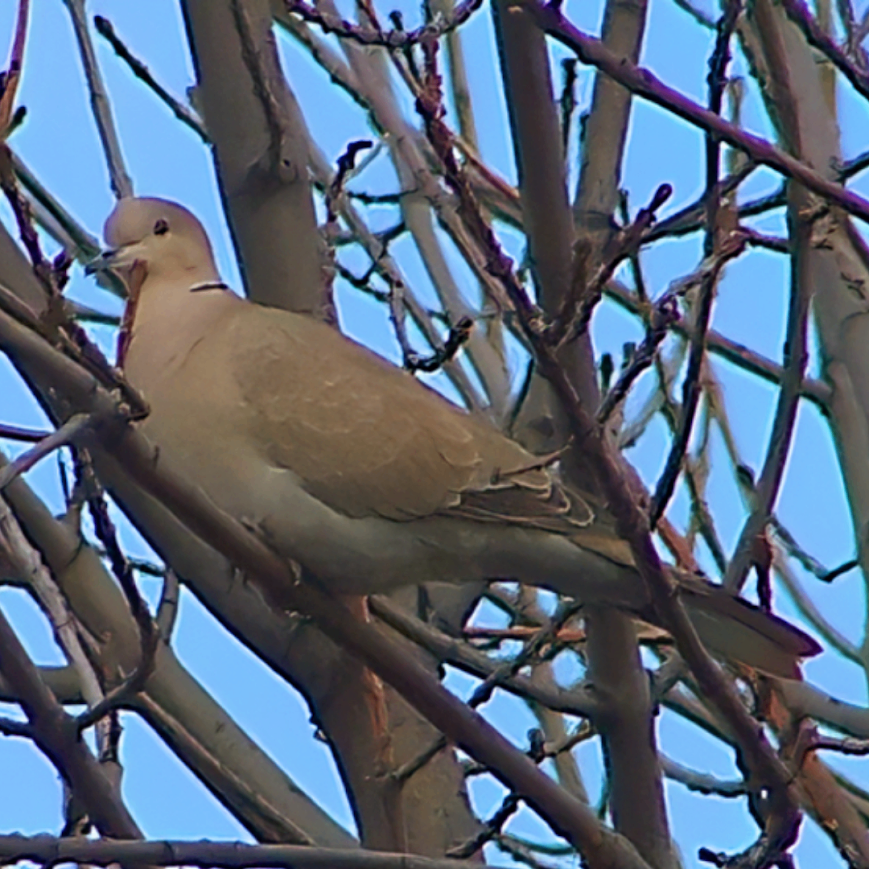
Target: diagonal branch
{"x":645,"y":84}
{"x":799,"y":13}
{"x":121,"y":184}
{"x":184,"y":113}
{"x":796,"y":355}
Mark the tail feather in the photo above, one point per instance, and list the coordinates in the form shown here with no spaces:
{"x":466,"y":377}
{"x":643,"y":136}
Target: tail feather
{"x":740,"y":631}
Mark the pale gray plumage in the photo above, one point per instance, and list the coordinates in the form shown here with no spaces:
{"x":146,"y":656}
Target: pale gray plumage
{"x":353,"y":468}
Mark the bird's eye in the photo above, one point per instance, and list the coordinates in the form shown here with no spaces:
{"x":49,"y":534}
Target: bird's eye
{"x":161,"y":227}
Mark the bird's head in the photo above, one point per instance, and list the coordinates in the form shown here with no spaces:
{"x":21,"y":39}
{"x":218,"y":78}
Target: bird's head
{"x":159,"y":239}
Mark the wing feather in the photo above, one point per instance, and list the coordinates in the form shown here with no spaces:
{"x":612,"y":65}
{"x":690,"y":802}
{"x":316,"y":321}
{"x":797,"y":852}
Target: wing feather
{"x":367,"y":439}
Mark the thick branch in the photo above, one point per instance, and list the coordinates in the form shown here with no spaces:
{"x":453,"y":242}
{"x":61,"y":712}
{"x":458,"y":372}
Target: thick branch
{"x":228,"y":855}
{"x":260,"y":150}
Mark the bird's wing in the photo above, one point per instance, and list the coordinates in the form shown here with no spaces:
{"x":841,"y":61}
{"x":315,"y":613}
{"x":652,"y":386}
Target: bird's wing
{"x":367,"y":439}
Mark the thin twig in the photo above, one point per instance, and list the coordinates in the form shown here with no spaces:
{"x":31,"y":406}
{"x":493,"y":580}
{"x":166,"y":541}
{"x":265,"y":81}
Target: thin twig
{"x":323,"y":53}
{"x":11,"y":727}
{"x":706,"y":277}
{"x":784,"y":422}
{"x":572,"y":319}
{"x":410,"y":768}
{"x":184,"y":113}
{"x":17,"y":433}
{"x":664,"y":315}
{"x":450,"y":650}
{"x":122,"y":186}
{"x":54,"y":733}
{"x":834,"y":638}
{"x":54,"y":324}
{"x":497,"y":676}
{"x":520,"y":853}
{"x":644,"y":83}
{"x":149,"y":636}
{"x":693,"y":217}
{"x":397,"y":39}
{"x":395,"y":298}
{"x":843,"y":568}
{"x":167,"y":609}
{"x":698,"y":15}
{"x":567,"y":102}
{"x":713,"y":249}
{"x":490,"y":830}
{"x":346,"y":165}
{"x":816,"y":391}
{"x":459,"y":87}
{"x":68,"y":631}
{"x":73,"y":428}
{"x":62,"y":226}
{"x":12,"y":76}
{"x":701,"y":782}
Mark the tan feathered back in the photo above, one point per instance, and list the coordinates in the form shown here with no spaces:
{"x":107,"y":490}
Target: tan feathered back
{"x":368,"y":440}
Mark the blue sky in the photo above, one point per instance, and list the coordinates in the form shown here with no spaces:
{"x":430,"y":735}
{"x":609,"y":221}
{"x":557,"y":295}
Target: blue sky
{"x":60,"y":143}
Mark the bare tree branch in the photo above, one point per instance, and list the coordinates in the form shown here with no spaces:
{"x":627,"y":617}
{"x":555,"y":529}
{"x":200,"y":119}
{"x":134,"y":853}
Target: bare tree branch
{"x":55,"y":733}
{"x":228,"y":855}
{"x":122,"y":185}
{"x":644,"y":83}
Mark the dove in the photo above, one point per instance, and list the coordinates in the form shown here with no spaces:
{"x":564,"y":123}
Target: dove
{"x":350,"y":466}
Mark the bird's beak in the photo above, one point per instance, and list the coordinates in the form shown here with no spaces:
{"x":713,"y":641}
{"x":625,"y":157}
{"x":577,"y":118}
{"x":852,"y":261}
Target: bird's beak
{"x":115,"y":258}
{"x":101,"y":263}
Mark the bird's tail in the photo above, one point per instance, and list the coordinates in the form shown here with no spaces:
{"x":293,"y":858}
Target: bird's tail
{"x":740,"y":631}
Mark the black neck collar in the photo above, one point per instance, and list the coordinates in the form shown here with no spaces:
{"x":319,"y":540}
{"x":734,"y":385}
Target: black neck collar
{"x":208,"y":285}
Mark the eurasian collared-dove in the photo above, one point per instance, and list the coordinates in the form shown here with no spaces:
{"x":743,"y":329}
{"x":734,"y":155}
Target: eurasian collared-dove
{"x":355,"y":469}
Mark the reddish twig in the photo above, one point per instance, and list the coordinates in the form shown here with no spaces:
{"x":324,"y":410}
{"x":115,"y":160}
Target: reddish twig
{"x":430,"y":106}
{"x":52,"y":275}
{"x":398,"y":38}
